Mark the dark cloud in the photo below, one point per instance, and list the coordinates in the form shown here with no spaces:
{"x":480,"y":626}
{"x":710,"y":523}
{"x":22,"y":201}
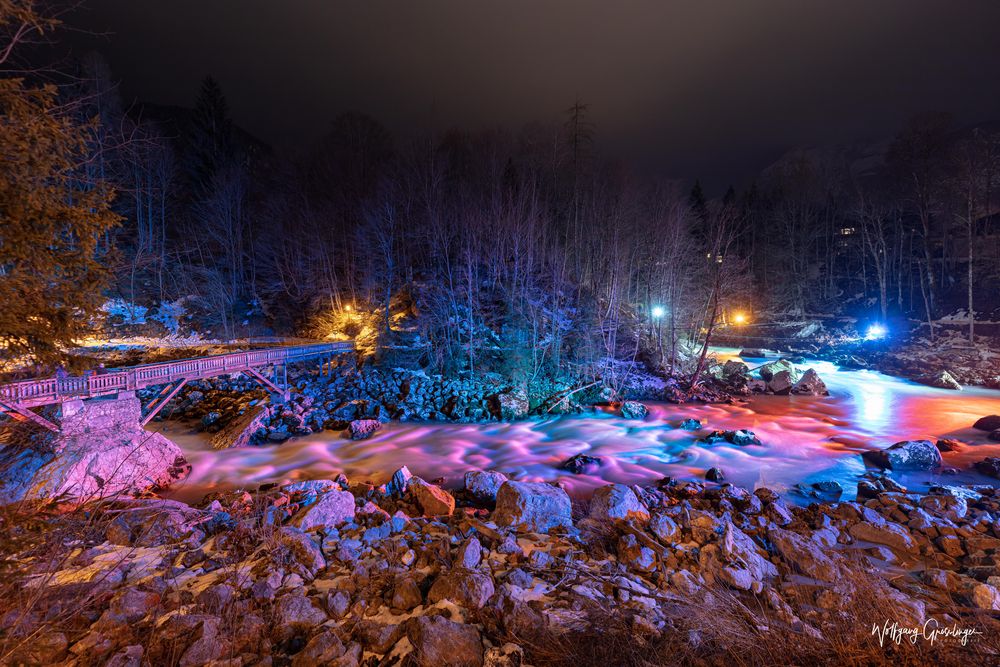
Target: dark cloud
{"x":715,"y":89}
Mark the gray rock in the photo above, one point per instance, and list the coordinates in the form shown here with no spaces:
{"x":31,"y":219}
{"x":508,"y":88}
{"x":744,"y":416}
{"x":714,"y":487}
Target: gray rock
{"x":665,"y":528}
{"x":437,"y":641}
{"x":942,"y":380}
{"x":769,"y":370}
{"x":467,"y":588}
{"x":617,"y":502}
{"x":399,"y":482}
{"x":333,"y":509}
{"x":361,"y":429}
{"x":322,"y":649}
{"x":989,"y":466}
{"x":781,"y":383}
{"x":469,"y":553}
{"x":734,"y":368}
{"x":298,"y":610}
{"x":804,"y":555}
{"x":907,"y":455}
{"x":532,"y":506}
{"x":634,"y":410}
{"x":690,"y":424}
{"x":406,"y":594}
{"x":484,"y":485}
{"x":888,"y":533}
{"x":810,"y":384}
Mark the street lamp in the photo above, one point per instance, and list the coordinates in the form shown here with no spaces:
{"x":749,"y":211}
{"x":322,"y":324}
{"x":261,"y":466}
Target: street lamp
{"x":658,"y":312}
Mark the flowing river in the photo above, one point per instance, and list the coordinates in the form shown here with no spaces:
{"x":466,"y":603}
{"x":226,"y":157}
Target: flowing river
{"x":805,"y":439}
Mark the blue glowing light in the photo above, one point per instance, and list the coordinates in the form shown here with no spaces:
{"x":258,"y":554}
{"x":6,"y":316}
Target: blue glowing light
{"x":658,"y":312}
{"x":876,"y":332}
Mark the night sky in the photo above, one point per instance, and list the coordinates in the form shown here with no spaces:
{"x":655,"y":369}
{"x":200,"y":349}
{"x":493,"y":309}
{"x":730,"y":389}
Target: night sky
{"x":713,"y":89}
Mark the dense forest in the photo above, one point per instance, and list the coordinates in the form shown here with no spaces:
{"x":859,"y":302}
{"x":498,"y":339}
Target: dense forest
{"x":518,"y":251}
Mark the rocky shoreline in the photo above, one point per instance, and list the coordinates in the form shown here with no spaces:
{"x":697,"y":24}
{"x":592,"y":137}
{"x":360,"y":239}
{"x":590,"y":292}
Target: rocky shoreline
{"x":502,"y":573}
{"x":239,"y":413}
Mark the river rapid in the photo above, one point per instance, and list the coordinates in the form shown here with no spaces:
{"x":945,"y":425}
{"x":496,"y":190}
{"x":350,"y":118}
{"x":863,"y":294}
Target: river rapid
{"x":805,"y":439}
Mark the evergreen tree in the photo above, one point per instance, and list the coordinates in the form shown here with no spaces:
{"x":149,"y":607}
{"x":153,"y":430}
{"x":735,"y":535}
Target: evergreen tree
{"x":50,"y":223}
{"x":697,"y":201}
{"x":209,"y":139}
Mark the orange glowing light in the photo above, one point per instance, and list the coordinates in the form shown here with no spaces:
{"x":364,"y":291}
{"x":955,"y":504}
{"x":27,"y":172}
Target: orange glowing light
{"x":348,"y":308}
{"x":740,"y":318}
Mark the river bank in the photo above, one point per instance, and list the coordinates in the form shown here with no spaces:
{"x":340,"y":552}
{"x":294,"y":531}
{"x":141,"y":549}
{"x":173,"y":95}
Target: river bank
{"x":507,"y":574}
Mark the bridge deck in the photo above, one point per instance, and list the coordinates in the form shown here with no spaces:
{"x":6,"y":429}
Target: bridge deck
{"x":34,"y":393}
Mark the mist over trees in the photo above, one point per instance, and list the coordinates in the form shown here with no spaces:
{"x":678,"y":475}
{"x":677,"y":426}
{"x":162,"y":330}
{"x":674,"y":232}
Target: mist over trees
{"x":524,"y":252}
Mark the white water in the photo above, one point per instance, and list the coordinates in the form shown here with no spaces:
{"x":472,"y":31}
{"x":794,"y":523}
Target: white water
{"x":806,"y":439}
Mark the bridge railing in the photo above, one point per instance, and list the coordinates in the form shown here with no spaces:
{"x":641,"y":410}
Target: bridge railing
{"x":53,"y":390}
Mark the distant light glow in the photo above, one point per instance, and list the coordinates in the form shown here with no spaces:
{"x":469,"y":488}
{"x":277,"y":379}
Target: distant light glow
{"x":740,"y":318}
{"x":876,"y":332}
{"x":348,"y":308}
{"x":658,"y":312}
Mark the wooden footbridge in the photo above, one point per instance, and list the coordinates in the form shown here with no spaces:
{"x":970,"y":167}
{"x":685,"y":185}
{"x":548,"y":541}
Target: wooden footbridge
{"x":18,"y":398}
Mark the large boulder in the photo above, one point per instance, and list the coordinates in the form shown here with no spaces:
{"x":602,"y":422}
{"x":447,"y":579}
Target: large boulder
{"x":430,"y":498}
{"x":581,"y":464}
{"x":941,"y":380}
{"x":804,"y":555}
{"x":735,"y":560}
{"x":510,"y":405}
{"x":769,"y":370}
{"x":361,"y":429}
{"x":888,"y":533}
{"x":437,"y":641}
{"x":533,"y":506}
{"x":617,"y":502}
{"x":810,"y":384}
{"x":333,"y":509}
{"x":907,"y":455}
{"x":484,"y":484}
{"x":740,"y":437}
{"x":733,"y":368}
{"x":989,"y":466}
{"x":634,"y":410}
{"x":989,"y":423}
{"x":101,"y":452}
{"x":781,"y":383}
{"x":467,"y":588}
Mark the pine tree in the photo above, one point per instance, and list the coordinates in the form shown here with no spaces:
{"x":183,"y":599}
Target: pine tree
{"x":50,"y":223}
{"x":209,"y":137}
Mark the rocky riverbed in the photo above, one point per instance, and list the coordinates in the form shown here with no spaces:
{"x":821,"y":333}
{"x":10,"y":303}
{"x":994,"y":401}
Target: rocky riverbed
{"x":239,"y":411}
{"x":505,"y":573}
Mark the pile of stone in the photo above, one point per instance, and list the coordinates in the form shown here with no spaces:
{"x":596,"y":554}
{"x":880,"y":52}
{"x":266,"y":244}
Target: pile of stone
{"x":347,"y":573}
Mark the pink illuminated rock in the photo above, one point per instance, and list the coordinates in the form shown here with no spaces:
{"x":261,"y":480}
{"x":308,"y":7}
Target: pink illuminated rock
{"x":101,"y":452}
{"x":361,"y":429}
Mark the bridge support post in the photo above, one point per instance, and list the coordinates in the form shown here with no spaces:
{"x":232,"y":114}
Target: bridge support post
{"x":279,"y":393}
{"x":167,"y":393}
{"x":21,"y":413}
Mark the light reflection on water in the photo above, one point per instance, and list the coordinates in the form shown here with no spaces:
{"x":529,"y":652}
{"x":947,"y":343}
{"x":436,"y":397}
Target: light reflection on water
{"x":806,"y":439}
